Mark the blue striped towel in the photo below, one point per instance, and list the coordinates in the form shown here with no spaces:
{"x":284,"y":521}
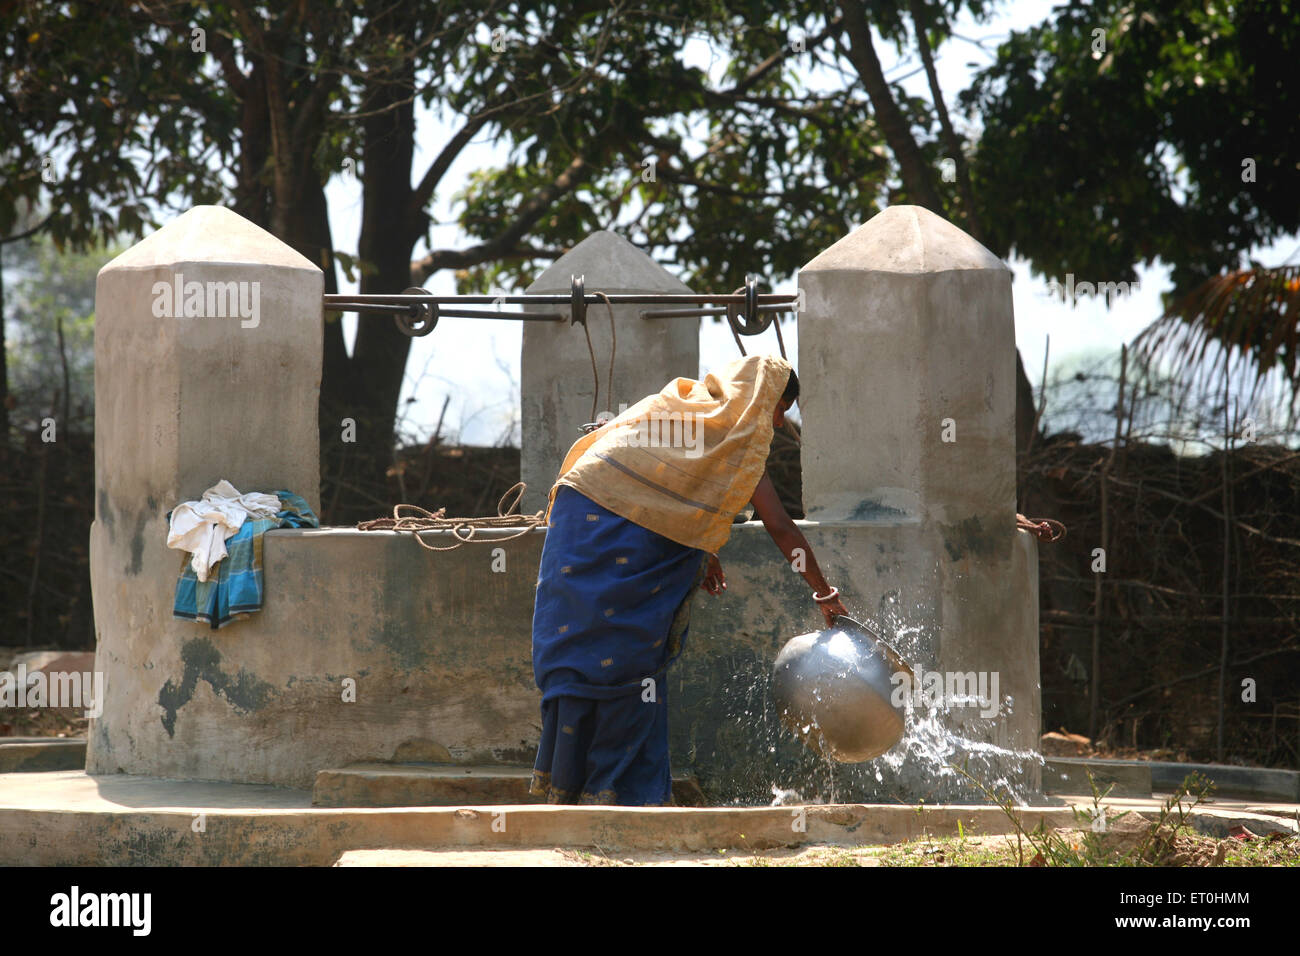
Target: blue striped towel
{"x":235,"y":591}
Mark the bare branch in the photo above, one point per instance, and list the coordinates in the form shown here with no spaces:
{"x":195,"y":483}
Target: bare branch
{"x":529,"y":213}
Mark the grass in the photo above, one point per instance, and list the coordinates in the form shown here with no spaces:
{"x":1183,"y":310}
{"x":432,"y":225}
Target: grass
{"x":1098,"y":839}
{"x":1128,"y":839}
{"x":965,"y":850}
{"x":1277,"y":850}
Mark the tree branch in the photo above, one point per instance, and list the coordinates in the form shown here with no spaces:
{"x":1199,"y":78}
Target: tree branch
{"x":277,"y":102}
{"x":529,"y":213}
{"x":776,"y":59}
{"x":438,"y":168}
{"x":29,"y":232}
{"x":862,"y":53}
{"x":945,"y":123}
{"x":224,"y":51}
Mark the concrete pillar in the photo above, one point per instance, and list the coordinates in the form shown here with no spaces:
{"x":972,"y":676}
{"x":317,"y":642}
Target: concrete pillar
{"x":907,"y":362}
{"x":557,"y":384}
{"x":207,"y":366}
{"x":911,"y":320}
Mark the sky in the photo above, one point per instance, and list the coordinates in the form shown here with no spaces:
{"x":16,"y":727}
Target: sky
{"x":477,"y":362}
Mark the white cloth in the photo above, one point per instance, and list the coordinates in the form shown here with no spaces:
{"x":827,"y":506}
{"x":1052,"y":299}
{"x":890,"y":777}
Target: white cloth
{"x":202,"y":527}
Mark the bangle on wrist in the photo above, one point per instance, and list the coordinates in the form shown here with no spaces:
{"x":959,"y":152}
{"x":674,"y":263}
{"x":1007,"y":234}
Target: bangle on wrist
{"x":830,"y":595}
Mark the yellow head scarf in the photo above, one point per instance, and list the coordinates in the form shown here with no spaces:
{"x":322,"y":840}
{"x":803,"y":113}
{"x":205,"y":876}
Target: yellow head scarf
{"x":683,"y":463}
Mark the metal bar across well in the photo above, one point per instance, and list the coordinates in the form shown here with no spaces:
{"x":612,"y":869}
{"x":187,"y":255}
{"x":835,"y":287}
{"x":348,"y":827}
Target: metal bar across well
{"x":340,"y":302}
{"x":416,"y":311}
{"x":720,"y":310}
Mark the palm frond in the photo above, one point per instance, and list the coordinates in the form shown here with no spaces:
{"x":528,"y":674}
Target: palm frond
{"x":1242,"y":326}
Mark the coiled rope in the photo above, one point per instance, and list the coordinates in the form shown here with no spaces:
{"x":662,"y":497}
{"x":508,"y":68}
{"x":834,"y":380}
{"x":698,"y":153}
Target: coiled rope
{"x":464,"y":530}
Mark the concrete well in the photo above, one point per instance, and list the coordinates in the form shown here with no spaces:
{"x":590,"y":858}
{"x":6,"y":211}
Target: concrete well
{"x":369,"y":648}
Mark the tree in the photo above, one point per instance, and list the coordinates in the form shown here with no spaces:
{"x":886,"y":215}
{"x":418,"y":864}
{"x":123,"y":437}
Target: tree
{"x":51,"y":304}
{"x":1115,"y":136}
{"x":147,"y":103}
{"x":260,"y":107}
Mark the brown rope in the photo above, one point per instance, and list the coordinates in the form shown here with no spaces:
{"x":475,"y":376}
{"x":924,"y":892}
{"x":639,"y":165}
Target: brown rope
{"x":1045,"y":529}
{"x":595,"y":375}
{"x":731,"y":323}
{"x":591,"y":350}
{"x":613,"y":348}
{"x":776,"y":320}
{"x":462,"y":529}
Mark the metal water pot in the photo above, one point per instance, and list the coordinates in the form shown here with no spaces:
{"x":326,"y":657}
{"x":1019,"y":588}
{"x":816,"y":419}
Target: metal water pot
{"x":833,"y":690}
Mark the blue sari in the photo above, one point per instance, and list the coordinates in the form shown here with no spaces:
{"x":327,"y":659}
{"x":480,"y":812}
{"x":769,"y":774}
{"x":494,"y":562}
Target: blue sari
{"x":612,"y":613}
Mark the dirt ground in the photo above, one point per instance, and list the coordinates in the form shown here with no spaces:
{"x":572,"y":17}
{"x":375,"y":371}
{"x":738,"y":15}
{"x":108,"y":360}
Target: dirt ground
{"x":42,"y":722}
{"x":1187,"y":850}
{"x":595,"y":856}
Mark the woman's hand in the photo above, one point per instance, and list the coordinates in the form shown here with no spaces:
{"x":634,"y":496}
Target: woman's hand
{"x":832,"y":609}
{"x":715,"y":582}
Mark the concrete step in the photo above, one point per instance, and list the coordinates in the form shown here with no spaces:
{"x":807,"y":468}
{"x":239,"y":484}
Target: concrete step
{"x":1070,"y":776}
{"x":1262,"y":782}
{"x":38,"y":754}
{"x":444,"y":785}
{"x":1140,"y":778}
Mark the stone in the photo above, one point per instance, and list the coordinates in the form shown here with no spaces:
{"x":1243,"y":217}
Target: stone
{"x":420,"y":751}
{"x":908,"y":324}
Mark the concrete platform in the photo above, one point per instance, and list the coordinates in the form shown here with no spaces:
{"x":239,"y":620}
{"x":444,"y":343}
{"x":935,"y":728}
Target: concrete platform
{"x":42,"y":753}
{"x":71,"y":818}
{"x":1261,"y":782}
{"x":1215,"y":818}
{"x":1140,"y":778}
{"x":445,"y":785}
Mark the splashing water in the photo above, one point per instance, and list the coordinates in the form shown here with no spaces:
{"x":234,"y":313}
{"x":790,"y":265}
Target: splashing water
{"x":785,"y":798}
{"x":938,"y":738}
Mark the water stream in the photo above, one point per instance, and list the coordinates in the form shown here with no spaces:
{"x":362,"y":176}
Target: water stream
{"x":939,"y":737}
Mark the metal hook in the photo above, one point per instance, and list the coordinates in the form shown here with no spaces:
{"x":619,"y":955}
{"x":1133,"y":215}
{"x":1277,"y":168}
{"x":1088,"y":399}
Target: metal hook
{"x":753,"y":321}
{"x":578,"y":300}
{"x":420,"y":317}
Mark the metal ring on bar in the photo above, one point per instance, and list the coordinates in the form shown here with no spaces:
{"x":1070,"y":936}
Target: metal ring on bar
{"x":753,"y":321}
{"x":420,"y":317}
{"x":578,"y":300}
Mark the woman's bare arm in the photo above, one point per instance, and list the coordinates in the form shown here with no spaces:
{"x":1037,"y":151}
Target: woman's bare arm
{"x":798,"y":552}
